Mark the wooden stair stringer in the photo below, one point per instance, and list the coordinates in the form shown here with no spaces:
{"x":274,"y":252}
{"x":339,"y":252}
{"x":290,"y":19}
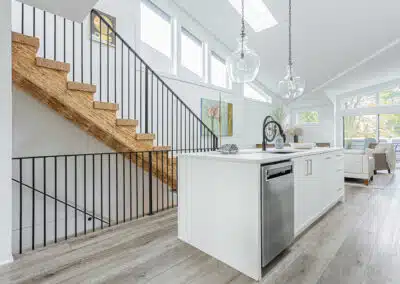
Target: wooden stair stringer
{"x":76,"y":106}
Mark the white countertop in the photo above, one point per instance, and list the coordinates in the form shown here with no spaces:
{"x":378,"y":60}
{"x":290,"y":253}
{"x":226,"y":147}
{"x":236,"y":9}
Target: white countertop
{"x":258,"y":156}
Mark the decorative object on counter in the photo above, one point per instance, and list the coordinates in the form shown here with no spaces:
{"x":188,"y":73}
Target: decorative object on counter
{"x":243,"y":64}
{"x":302,"y":145}
{"x":218,"y":116}
{"x":229,"y":149}
{"x":295,"y":132}
{"x":271,"y":130}
{"x":279,"y":143}
{"x":292,"y":86}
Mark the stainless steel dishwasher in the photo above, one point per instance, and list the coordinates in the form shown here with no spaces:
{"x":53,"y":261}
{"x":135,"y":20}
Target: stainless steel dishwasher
{"x":277,"y":216}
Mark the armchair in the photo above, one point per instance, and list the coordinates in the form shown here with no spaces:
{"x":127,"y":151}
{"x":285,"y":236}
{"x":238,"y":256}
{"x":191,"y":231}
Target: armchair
{"x":359,"y":164}
{"x":385,"y":157}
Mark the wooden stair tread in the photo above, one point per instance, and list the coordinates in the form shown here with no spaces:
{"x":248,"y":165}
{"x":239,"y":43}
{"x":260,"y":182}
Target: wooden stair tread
{"x":76,"y":86}
{"x":52,"y":64}
{"x":145,"y":136}
{"x":127,"y":122}
{"x":24,"y":39}
{"x":162,"y":148}
{"x":105,"y":106}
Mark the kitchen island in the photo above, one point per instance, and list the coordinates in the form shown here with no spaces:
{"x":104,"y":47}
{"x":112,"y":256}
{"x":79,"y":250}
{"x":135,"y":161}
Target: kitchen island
{"x":220,"y":201}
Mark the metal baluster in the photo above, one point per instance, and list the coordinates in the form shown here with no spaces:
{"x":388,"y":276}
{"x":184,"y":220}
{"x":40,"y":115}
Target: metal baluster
{"x":75,"y":196}
{"x":91,"y":46}
{"x":122,"y":81}
{"x":109,"y":190}
{"x":44,"y":34}
{"x":44,"y":202}
{"x":84,"y":193}
{"x":93,"y":192}
{"x":65,"y":39}
{"x":101,"y":190}
{"x":150,"y":184}
{"x":55,"y":37}
{"x":20,"y":205}
{"x":73,"y":51}
{"x":143,"y":184}
{"x":115,"y":72}
{"x":66,"y":196}
{"x":55,"y":199}
{"x":146,"y":100}
{"x":129,"y":84}
{"x":130,"y":185}
{"x":22,"y":18}
{"x":137,"y":184}
{"x":81,"y":52}
{"x":108,"y":67}
{"x":34,"y":21}
{"x":116,"y":185}
{"x":33,"y":203}
{"x":123,"y":185}
{"x":100,"y":77}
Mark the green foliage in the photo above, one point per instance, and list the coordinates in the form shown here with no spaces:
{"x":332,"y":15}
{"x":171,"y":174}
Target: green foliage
{"x":308,"y":117}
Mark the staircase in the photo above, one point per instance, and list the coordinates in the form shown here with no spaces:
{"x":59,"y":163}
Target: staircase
{"x":140,"y":114}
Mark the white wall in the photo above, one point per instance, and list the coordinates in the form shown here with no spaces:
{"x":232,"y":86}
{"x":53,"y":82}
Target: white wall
{"x":5,"y":129}
{"x":322,"y":132}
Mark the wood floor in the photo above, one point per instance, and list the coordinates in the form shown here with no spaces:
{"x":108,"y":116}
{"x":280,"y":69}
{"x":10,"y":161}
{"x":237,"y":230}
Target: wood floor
{"x":356,"y":242}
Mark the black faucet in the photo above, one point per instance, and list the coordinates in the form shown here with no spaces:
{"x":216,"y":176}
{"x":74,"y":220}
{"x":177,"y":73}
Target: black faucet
{"x":270,"y":130}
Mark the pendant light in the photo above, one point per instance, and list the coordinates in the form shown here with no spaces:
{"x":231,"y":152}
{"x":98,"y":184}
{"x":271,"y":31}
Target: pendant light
{"x":243,"y":64}
{"x":292,"y":86}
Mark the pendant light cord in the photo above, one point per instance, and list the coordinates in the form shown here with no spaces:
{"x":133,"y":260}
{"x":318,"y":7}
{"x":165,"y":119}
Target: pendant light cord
{"x":243,"y":32}
{"x":290,"y":37}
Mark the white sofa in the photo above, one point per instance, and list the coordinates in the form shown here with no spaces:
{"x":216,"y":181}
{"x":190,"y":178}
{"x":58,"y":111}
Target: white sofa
{"x":359,"y":164}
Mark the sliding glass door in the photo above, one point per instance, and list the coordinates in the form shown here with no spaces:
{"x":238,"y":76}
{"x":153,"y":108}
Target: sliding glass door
{"x":360,"y":131}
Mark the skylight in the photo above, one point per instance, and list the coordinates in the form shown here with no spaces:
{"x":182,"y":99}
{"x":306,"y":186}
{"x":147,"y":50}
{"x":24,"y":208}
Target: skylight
{"x":256,"y":14}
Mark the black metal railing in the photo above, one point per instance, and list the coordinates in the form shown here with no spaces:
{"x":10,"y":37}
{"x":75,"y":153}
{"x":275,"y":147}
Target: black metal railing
{"x":120,"y":74}
{"x":63,"y":196}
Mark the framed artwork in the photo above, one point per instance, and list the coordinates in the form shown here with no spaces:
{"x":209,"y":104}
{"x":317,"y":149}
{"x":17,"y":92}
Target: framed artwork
{"x":107,"y":35}
{"x":213,"y":113}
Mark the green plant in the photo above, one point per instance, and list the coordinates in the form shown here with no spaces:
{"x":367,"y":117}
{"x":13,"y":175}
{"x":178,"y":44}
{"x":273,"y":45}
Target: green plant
{"x":279,"y":115}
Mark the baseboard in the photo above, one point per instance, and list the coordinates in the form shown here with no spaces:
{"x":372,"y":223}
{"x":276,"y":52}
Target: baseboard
{"x":11,"y":259}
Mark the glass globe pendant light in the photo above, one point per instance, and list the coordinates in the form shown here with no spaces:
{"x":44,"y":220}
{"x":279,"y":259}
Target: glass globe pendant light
{"x":243,"y":64}
{"x":292,"y":86}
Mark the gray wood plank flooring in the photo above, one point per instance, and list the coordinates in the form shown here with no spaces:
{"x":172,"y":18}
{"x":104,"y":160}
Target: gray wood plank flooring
{"x":356,"y":242}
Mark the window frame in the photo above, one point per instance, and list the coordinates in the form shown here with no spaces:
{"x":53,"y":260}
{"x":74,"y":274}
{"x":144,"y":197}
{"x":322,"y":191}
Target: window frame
{"x":228,"y":84}
{"x":163,"y":15}
{"x":187,"y":33}
{"x":267,"y":98}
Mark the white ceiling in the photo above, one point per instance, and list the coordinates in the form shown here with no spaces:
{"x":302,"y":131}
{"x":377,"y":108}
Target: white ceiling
{"x":329,"y":37}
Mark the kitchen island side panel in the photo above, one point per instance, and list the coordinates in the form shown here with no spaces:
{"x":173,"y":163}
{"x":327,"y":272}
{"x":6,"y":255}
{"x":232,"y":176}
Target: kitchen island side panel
{"x":219,"y":211}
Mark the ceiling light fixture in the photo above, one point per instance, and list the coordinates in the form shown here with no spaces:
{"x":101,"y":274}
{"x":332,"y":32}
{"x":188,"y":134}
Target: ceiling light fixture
{"x":292,"y":86}
{"x":243,"y":64}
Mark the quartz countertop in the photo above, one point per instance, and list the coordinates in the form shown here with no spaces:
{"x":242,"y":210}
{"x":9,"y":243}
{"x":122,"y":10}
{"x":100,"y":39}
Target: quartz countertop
{"x":258,"y":156}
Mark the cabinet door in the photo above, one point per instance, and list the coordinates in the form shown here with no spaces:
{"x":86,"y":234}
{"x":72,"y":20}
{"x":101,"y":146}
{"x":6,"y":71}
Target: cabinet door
{"x":302,"y":192}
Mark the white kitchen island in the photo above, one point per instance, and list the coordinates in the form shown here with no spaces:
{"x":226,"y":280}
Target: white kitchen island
{"x":219,"y":201}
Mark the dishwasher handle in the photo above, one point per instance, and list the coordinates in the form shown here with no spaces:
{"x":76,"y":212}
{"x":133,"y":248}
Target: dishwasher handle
{"x":277,"y":170}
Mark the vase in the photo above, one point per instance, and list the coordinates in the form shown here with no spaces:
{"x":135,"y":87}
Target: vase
{"x":296,"y":139}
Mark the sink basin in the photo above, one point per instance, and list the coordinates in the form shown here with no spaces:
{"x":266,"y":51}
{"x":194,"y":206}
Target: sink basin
{"x":279,"y":152}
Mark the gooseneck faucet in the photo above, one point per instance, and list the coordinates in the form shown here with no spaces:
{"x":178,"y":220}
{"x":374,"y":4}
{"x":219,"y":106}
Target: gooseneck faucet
{"x":270,"y":129}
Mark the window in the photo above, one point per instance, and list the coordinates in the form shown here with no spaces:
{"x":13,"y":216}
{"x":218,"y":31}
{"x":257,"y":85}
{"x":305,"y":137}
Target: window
{"x":391,"y":97}
{"x":308,"y":117}
{"x":218,"y":71}
{"x":191,"y":52}
{"x":155,"y":28}
{"x":252,"y":94}
{"x":257,"y":14}
{"x":361,"y":101}
{"x":359,"y":131}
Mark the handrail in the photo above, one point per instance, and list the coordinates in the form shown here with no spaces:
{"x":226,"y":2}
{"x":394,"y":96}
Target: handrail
{"x":154,"y":73}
